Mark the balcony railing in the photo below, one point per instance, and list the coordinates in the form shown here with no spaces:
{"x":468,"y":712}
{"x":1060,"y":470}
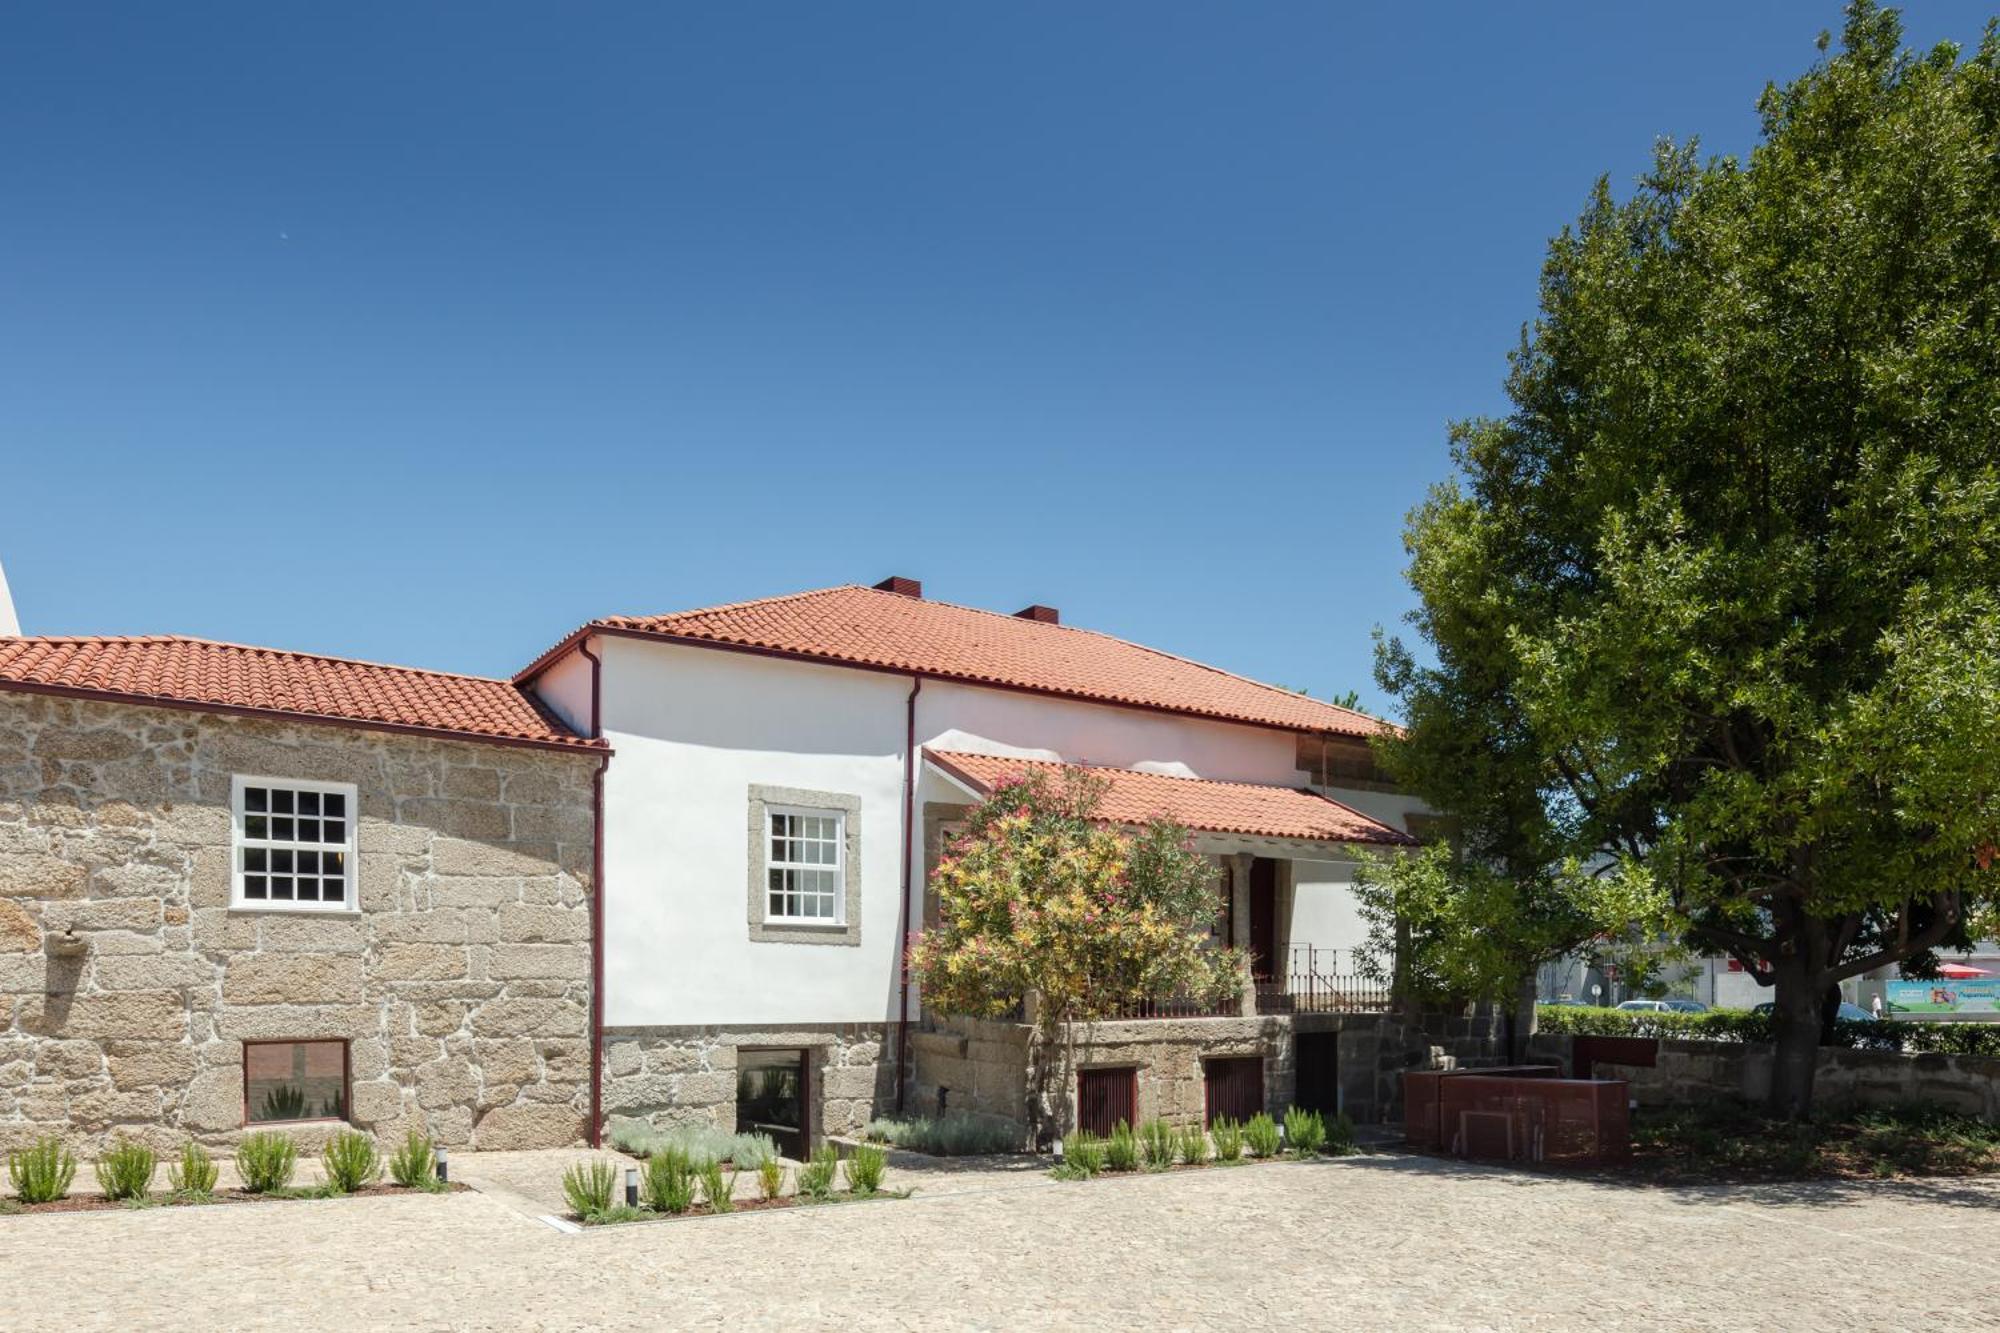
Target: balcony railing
{"x":1310,"y":984}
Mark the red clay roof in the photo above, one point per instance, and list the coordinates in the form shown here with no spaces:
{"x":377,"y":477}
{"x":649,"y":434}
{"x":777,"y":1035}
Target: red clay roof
{"x":889,"y":631}
{"x":183,"y":672}
{"x":1212,"y":807}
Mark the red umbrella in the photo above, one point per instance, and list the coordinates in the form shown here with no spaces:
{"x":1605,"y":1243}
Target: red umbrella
{"x":1958,"y":970}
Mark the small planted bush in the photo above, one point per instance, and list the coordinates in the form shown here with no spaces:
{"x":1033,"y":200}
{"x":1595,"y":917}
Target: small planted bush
{"x":1305,"y":1132}
{"x":42,"y":1173}
{"x":351,"y":1160}
{"x":865,"y":1168}
{"x":266,"y":1161}
{"x":1260,"y":1133}
{"x":125,"y":1171}
{"x":816,"y":1177}
{"x":668,"y":1182}
{"x":954,"y":1134}
{"x":1340,"y":1136}
{"x":746,"y":1152}
{"x":194,"y":1172}
{"x":1228,"y":1136}
{"x":1193,"y":1147}
{"x":588,"y":1186}
{"x":414,"y":1165}
{"x":1158,"y":1143}
{"x":1121,"y":1150}
{"x":1083,"y":1156}
{"x":771,"y":1178}
{"x":717,"y":1189}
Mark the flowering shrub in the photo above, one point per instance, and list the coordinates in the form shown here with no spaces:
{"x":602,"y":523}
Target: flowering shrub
{"x":1037,"y":898}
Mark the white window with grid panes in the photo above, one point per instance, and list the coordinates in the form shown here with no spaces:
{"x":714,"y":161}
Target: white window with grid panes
{"x":805,"y":869}
{"x":293,"y":843}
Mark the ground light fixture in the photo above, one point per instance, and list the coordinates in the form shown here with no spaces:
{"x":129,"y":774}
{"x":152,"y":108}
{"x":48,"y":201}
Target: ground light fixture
{"x":1056,"y":1148}
{"x":1281,"y":1136}
{"x":631,"y":1187}
{"x":443,"y":1165}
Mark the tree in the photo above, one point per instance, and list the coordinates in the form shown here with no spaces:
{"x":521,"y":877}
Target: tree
{"x":1042,"y":906}
{"x":1720,"y":596}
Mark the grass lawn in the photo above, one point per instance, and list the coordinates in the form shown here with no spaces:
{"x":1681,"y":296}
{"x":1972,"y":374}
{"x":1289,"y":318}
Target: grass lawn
{"x":1731,"y":1141}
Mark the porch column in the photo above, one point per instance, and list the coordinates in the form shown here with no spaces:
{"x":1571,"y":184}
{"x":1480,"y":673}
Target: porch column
{"x":1239,"y":925}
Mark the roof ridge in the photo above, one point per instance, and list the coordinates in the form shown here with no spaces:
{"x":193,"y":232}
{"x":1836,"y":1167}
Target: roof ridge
{"x":720,"y":607}
{"x":254,"y":648}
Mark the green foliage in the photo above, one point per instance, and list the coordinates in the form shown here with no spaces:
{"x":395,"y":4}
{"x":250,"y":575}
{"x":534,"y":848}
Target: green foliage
{"x":614,"y":1215}
{"x":193,"y":1173}
{"x":745,"y":1151}
{"x":667,"y":1182}
{"x":414,"y":1165}
{"x":1261,"y":1134}
{"x":1880,"y":1034}
{"x":41,"y":1173}
{"x":954,"y":1134}
{"x":1305,"y":1131}
{"x":816,"y":1177}
{"x":1157,"y":1144}
{"x":266,"y":1160}
{"x":125,"y":1170}
{"x":1340,"y":1137}
{"x":1083,"y":1155}
{"x":1192,"y":1146}
{"x":1121,"y":1150}
{"x":1228,"y":1136}
{"x":351,"y":1160}
{"x":865,"y":1168}
{"x":589,"y":1186}
{"x":1718,"y":601}
{"x":771,"y":1178}
{"x":1728,"y":1140}
{"x":718,"y":1190}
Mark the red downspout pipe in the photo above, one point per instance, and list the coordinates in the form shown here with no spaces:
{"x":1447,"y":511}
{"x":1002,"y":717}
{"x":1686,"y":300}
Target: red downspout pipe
{"x":596,"y":904}
{"x":903,"y":913}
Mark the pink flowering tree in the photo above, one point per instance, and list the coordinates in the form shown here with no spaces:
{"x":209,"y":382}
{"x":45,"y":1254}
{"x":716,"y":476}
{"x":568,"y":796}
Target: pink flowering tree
{"x":1043,"y":906}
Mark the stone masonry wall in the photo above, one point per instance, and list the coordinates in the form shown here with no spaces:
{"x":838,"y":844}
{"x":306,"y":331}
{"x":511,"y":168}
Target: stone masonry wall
{"x":669,"y":1076}
{"x":462,"y":984}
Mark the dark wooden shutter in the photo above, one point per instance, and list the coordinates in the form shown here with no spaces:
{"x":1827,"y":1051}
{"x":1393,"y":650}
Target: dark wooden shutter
{"x":1234,"y":1086}
{"x":1106,"y":1096}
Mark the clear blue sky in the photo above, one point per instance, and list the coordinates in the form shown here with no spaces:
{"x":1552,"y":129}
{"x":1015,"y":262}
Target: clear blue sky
{"x":423,"y":333}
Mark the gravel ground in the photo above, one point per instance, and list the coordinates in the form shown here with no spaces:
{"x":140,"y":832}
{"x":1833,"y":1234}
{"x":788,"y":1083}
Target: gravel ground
{"x":1378,"y":1242}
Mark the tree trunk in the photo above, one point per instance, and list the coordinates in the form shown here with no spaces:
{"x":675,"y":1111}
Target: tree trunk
{"x":1521,"y":1025}
{"x":1795,"y":1030}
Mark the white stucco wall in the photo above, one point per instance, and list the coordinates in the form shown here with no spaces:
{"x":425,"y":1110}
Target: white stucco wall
{"x":693,"y":730}
{"x":565,"y":687}
{"x":1325,"y":913}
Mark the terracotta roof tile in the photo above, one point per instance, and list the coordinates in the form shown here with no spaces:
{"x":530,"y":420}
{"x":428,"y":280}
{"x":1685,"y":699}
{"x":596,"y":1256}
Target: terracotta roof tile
{"x":1212,"y":807}
{"x":887,"y":630}
{"x":187,"y":672}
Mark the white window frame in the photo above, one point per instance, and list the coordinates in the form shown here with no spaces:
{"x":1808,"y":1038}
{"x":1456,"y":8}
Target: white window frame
{"x":838,"y":868}
{"x":239,"y":842}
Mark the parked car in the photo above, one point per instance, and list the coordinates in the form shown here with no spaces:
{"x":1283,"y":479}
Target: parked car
{"x":1848,"y":1013}
{"x":1664,"y":1007}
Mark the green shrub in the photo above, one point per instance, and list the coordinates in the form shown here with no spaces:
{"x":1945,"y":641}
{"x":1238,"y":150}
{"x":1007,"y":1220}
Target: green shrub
{"x":1880,"y":1034}
{"x":266,"y":1161}
{"x":955,"y":1134}
{"x":1193,"y":1147}
{"x":351,"y":1160}
{"x":42,"y":1173}
{"x":718,"y":1191}
{"x":125,"y":1170}
{"x":1261,"y":1135}
{"x":589,"y":1185}
{"x":194,"y":1173}
{"x":414,"y":1165}
{"x":865,"y":1168}
{"x":771,"y":1178}
{"x":1121,"y":1150}
{"x":1158,"y":1143}
{"x":1228,"y":1136}
{"x":1083,"y":1155}
{"x":612,"y":1216}
{"x":1340,"y":1136}
{"x":667,"y":1182}
{"x":816,"y":1176}
{"x":696,"y":1142}
{"x":1305,"y":1131}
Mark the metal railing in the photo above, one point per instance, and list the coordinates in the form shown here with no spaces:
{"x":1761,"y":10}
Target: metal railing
{"x":1311,"y":984}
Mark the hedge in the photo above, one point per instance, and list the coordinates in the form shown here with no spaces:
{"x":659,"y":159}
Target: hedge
{"x":1882,"y":1034}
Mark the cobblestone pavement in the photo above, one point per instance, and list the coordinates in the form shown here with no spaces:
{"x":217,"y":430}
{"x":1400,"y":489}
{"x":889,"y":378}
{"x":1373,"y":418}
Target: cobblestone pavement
{"x":1368,"y":1243}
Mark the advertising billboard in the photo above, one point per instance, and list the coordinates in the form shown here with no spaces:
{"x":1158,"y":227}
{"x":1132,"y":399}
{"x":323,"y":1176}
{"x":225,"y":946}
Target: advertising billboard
{"x":1945,"y":996}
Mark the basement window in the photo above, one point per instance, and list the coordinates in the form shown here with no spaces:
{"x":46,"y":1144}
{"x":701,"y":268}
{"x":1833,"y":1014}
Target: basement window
{"x":294,"y":1080}
{"x":293,"y":845}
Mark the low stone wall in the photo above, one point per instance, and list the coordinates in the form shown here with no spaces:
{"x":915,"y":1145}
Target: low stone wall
{"x":686,"y":1075}
{"x":982,"y":1066}
{"x":461,"y":985}
{"x":1695,"y":1071}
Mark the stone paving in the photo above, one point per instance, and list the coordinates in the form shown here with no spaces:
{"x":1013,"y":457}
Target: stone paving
{"x":1376,"y":1242}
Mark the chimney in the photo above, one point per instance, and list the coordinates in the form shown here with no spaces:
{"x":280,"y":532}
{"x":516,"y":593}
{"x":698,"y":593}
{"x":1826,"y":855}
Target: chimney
{"x":1047,"y":615}
{"x":902,"y":586}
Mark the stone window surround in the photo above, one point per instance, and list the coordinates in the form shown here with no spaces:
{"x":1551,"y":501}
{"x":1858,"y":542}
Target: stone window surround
{"x":351,"y":905}
{"x":848,"y":930}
